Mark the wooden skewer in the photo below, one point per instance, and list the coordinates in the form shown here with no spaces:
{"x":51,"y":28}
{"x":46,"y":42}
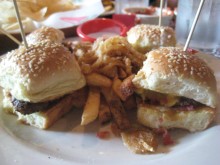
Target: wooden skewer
{"x":20,"y":24}
{"x":10,"y":36}
{"x":161,"y":11}
{"x":193,"y":25}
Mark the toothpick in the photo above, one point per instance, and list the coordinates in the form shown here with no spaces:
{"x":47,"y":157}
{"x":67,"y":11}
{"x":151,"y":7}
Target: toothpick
{"x":193,"y":25}
{"x":20,"y":24}
{"x":10,"y":36}
{"x":161,"y":11}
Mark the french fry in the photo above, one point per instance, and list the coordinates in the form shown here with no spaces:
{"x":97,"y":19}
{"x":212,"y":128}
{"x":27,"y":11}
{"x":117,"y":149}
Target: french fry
{"x":116,"y":108}
{"x":116,"y":88}
{"x":107,"y":93}
{"x":79,"y":98}
{"x":119,"y":114}
{"x":127,"y":87}
{"x":109,"y":70}
{"x":128,"y":66}
{"x":104,"y":112}
{"x":91,"y":108}
{"x":130,"y":103}
{"x":96,"y":79}
{"x":115,"y":130}
{"x":121,"y":73}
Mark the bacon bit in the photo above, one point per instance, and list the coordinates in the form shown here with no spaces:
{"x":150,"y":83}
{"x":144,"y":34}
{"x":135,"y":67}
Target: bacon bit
{"x":167,"y":139}
{"x":163,"y":101}
{"x":115,"y":130}
{"x":161,"y":120}
{"x":159,"y":131}
{"x":103,"y":134}
{"x":190,"y":107}
{"x":192,"y":51}
{"x":138,"y":20}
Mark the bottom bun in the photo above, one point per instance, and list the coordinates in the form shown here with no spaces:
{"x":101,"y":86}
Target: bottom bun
{"x":41,"y":119}
{"x":162,"y":117}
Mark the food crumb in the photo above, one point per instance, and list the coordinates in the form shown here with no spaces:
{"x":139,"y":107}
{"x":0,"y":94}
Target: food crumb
{"x":166,"y":137}
{"x":103,"y":134}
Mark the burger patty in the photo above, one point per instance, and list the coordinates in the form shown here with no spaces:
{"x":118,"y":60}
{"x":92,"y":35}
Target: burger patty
{"x":182,"y":102}
{"x":187,"y":102}
{"x":78,"y":100}
{"x":26,"y":108}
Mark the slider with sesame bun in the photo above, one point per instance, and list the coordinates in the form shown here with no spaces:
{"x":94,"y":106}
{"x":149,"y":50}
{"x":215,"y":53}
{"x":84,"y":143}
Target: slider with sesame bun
{"x":40,"y":82}
{"x":145,"y":37}
{"x":176,"y":89}
{"x":45,"y":33}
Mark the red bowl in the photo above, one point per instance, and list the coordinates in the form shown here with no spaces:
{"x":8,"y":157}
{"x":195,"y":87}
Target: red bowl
{"x":90,"y":30}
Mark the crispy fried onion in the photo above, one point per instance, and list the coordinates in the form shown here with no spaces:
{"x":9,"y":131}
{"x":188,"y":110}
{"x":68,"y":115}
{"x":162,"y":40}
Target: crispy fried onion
{"x":111,"y":57}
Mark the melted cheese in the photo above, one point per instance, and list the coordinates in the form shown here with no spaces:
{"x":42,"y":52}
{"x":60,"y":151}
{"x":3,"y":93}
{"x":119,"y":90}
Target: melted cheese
{"x":163,"y":99}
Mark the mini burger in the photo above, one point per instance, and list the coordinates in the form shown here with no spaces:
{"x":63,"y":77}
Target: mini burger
{"x":45,"y":33}
{"x":177,"y":90}
{"x":145,"y":37}
{"x":39,"y":83}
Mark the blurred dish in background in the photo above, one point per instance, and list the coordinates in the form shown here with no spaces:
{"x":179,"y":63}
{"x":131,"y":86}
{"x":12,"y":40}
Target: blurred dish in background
{"x":100,"y":27}
{"x":31,"y":11}
{"x":150,"y":15}
{"x":121,"y":4}
{"x":83,"y":10}
{"x":140,"y":10}
{"x":109,"y":6}
{"x":59,"y":14}
{"x":128,"y":20}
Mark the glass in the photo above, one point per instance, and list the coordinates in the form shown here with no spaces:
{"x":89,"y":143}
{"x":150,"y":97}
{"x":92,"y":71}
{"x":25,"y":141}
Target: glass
{"x":206,"y":36}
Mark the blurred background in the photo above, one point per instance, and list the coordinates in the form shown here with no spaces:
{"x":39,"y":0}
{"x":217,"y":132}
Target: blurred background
{"x":68,"y":14}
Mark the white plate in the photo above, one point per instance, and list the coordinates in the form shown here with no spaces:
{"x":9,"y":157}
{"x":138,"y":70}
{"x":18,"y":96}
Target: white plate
{"x":69,"y":143}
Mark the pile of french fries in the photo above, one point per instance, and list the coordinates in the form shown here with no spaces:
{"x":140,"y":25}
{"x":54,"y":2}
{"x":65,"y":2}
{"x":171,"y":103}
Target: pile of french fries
{"x":109,"y":67}
{"x":105,"y":100}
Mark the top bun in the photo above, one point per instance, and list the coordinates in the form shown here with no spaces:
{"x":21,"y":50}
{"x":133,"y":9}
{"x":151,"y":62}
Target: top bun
{"x":45,"y":33}
{"x":145,"y":37}
{"x":42,"y":72}
{"x":172,"y":71}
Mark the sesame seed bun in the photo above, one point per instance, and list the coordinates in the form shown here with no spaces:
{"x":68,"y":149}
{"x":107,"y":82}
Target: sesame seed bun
{"x":147,"y":37}
{"x":164,"y":117}
{"x":43,"y":72}
{"x":172,"y":71}
{"x":45,"y":33}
